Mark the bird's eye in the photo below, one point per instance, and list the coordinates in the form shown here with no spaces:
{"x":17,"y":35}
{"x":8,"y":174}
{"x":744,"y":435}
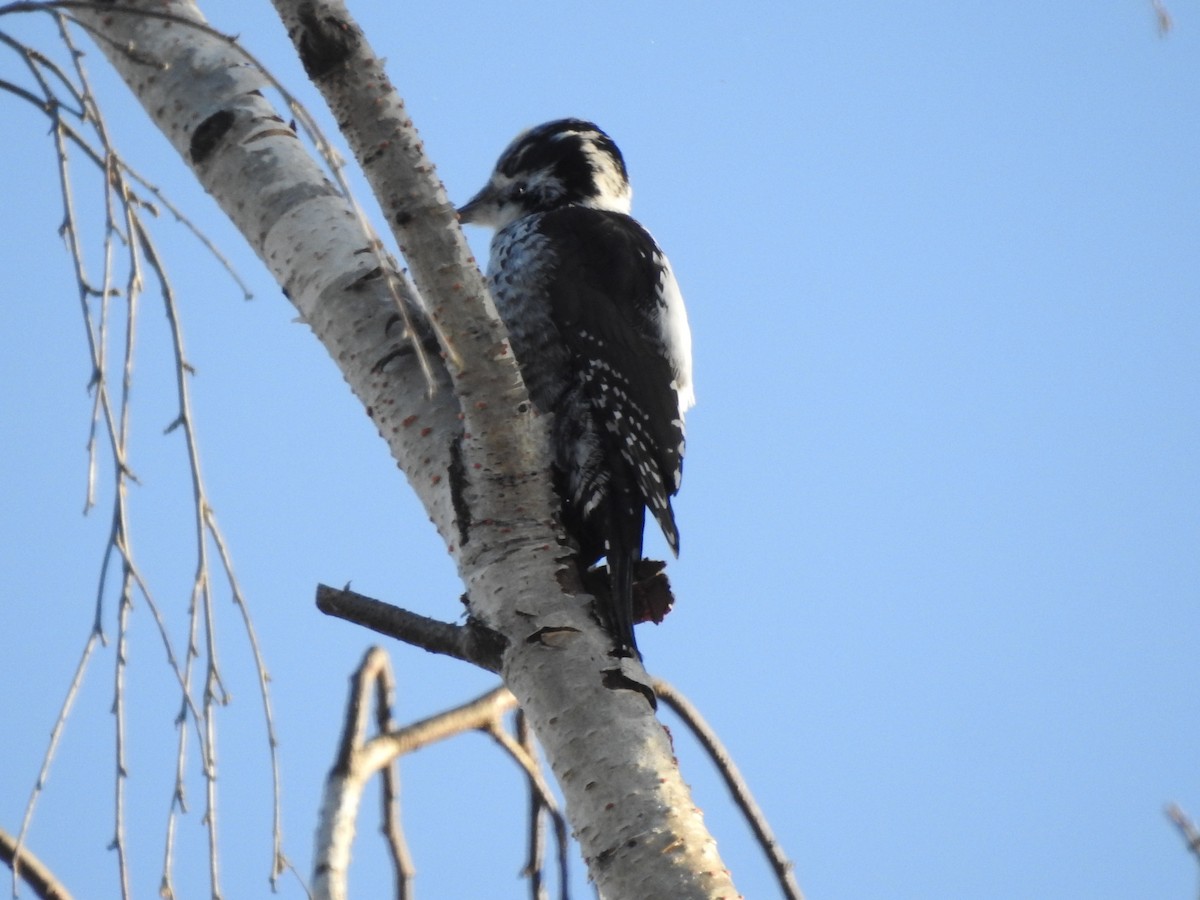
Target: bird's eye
{"x":518,"y":189}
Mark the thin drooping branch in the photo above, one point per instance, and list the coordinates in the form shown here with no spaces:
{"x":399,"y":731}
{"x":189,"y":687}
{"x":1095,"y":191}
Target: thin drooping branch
{"x":77,"y":123}
{"x":524,"y":755}
{"x":1187,"y":828}
{"x":280,"y":862}
{"x":70,"y":232}
{"x":536,"y":831}
{"x":31,"y":870}
{"x":19,"y":855}
{"x":742,"y":796}
{"x":119,"y":843}
{"x":206,"y":529}
{"x":122,"y":221}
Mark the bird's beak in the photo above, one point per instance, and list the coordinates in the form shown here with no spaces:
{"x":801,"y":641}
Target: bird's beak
{"x":469,"y":212}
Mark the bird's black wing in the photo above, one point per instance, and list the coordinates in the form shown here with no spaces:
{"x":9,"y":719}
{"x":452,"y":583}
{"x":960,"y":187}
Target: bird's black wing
{"x":605,"y":300}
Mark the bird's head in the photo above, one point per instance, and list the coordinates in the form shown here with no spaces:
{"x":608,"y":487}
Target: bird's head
{"x":562,"y":163}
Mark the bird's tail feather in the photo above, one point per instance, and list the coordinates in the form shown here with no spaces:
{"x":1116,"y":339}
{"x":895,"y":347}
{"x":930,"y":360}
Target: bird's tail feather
{"x":624,"y":554}
{"x":621,"y":564}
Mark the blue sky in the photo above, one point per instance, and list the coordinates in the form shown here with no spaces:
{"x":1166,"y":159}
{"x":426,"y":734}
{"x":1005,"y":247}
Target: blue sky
{"x":941,"y":509}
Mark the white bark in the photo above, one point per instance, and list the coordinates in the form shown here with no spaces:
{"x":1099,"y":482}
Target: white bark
{"x":627,"y":803}
{"x":199,"y":90}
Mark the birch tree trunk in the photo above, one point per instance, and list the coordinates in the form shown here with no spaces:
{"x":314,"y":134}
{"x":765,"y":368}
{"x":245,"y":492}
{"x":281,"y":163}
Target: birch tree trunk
{"x":472,"y":449}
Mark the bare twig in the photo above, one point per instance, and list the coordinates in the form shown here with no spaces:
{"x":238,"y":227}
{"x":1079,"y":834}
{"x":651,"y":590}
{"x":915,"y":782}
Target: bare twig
{"x":537,"y":785}
{"x":475,"y":715}
{"x":537,"y":806}
{"x":716,"y":750}
{"x":359,"y":758}
{"x":52,"y":105}
{"x":402,"y":292}
{"x":536,"y":834}
{"x":393,"y":831}
{"x":1162,"y":17}
{"x":60,"y":723}
{"x":118,"y":842}
{"x":1187,"y":828}
{"x":264,"y":692}
{"x":63,"y":93}
{"x":471,"y":643}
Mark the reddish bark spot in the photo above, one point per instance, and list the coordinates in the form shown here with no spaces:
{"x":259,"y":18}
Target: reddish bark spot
{"x":408,"y":421}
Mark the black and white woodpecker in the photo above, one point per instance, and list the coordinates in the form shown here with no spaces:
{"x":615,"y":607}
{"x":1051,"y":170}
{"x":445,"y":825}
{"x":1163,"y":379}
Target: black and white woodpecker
{"x":599,"y":331}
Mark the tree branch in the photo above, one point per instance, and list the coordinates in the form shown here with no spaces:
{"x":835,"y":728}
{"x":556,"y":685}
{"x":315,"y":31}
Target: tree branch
{"x":1187,"y":828}
{"x":521,"y":750}
{"x":737,"y":785}
{"x":31,"y":870}
{"x":360,"y":758}
{"x":474,"y":451}
{"x":471,"y":643}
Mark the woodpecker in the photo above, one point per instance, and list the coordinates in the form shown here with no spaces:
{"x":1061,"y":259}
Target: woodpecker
{"x":598,"y":327}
